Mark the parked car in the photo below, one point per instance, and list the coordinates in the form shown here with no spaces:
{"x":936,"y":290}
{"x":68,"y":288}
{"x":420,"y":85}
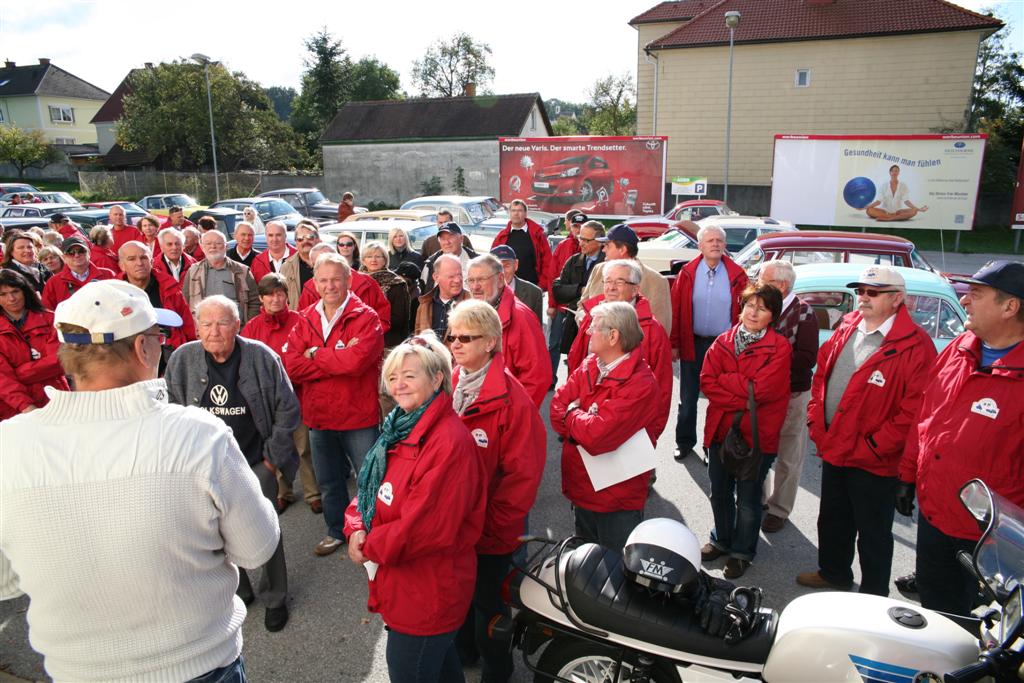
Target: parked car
{"x":673,"y":247}
{"x":43,"y":197}
{"x":20,"y":188}
{"x":739,"y":230}
{"x":36,"y":210}
{"x":308,"y":201}
{"x":823,"y":246}
{"x":267,"y":208}
{"x":367,"y":231}
{"x":160,"y":204}
{"x":466,"y":211}
{"x":581,"y":178}
{"x":648,"y":227}
{"x":128,"y":206}
{"x":931,"y":300}
{"x":226,"y":219}
{"x":88,"y":218}
{"x":394,"y":214}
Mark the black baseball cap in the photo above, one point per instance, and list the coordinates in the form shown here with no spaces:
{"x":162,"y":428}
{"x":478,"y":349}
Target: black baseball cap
{"x":450,"y":227}
{"x":579,"y":219}
{"x":620,"y":233}
{"x":1006,"y":276}
{"x":74,"y":241}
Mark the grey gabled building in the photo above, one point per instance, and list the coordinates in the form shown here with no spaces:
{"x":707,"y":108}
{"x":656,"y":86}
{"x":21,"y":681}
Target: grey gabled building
{"x":384,"y":150}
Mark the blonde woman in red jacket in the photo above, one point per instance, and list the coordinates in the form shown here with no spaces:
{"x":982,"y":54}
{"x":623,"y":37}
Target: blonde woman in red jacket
{"x":750,"y":352}
{"x":512,"y":442}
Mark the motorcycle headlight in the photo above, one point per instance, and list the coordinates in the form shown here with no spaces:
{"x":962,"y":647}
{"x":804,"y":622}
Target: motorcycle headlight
{"x":570,"y":172}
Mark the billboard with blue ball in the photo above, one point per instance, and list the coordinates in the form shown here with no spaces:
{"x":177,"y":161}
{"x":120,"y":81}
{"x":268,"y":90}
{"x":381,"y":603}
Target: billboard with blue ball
{"x":896,"y":181}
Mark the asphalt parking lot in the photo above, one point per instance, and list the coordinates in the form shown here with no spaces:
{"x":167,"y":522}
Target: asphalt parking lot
{"x":331,"y":636}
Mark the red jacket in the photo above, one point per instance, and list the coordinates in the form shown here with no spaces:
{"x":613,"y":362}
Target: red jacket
{"x":172,"y":299}
{"x":261,"y":264}
{"x":430,"y":512}
{"x":186,"y":262}
{"x":655,"y":346}
{"x":185,"y":223}
{"x":523,"y":346}
{"x":23,"y":379}
{"x":104,"y":258}
{"x":126,"y":233}
{"x":565,"y":250}
{"x":272,"y":330}
{"x":682,"y":303}
{"x":621,"y":406}
{"x":724,"y":380}
{"x":67,"y":230}
{"x":541,"y":249}
{"x":63,"y":284}
{"x":881,"y":400}
{"x":363,"y":286}
{"x":512,"y":442}
{"x":971,"y":424}
{"x":339,"y":384}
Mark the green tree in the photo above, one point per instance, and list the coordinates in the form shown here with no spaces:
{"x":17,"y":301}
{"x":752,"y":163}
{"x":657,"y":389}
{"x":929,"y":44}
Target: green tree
{"x":566,"y":125}
{"x":166,"y":114}
{"x":371,"y":79}
{"x":281,"y":98}
{"x":26,"y":149}
{"x":459,"y":184}
{"x":449,"y":65}
{"x":433,"y":186}
{"x":612,"y":106}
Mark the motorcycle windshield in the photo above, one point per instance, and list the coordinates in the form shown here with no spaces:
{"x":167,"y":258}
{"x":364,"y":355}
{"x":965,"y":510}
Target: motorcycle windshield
{"x":999,"y":555}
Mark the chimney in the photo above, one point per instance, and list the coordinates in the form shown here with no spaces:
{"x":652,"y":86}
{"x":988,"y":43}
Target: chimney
{"x":469,"y":89}
{"x":44,"y":61}
{"x":9,"y":64}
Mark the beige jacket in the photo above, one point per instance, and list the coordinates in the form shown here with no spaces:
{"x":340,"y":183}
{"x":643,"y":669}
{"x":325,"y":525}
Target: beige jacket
{"x":653,"y":285}
{"x":247,"y":296}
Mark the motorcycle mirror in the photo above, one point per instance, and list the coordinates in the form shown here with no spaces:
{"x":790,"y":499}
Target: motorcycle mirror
{"x":977,"y":498}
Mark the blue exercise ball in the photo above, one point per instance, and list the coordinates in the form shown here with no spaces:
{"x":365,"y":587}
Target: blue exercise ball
{"x":859,"y":192}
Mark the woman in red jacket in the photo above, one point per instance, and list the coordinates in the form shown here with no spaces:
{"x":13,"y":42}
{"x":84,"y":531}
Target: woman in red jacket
{"x":28,"y":348}
{"x":512,"y":443}
{"x":750,"y":352}
{"x":418,"y":516}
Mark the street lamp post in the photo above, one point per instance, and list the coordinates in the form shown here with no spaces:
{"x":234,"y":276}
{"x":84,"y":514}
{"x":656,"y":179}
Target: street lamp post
{"x":732,"y":20}
{"x":205,"y":61}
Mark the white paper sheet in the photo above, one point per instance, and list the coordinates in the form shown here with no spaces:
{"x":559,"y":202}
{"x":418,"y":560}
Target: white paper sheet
{"x":634,"y":457}
{"x":371,"y":568}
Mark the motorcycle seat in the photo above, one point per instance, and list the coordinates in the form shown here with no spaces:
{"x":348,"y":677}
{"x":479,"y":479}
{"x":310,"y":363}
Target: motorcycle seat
{"x":601,"y":595}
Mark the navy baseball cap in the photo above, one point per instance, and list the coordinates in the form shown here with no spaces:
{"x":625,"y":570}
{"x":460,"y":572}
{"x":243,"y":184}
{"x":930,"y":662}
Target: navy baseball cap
{"x":450,"y":227}
{"x":1006,"y":276}
{"x":503,"y":252}
{"x":620,"y":233}
{"x":579,"y":219}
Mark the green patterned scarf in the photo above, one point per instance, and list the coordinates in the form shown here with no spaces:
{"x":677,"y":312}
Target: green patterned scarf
{"x":397,"y":426}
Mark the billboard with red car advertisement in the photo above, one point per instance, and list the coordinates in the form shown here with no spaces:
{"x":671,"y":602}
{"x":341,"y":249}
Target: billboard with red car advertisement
{"x":603,"y":176}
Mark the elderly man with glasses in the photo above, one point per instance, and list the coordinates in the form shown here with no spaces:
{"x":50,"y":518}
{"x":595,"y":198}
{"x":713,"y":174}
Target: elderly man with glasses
{"x":865,"y":395}
{"x":298,"y":268}
{"x":217,"y":274}
{"x":77,"y":272}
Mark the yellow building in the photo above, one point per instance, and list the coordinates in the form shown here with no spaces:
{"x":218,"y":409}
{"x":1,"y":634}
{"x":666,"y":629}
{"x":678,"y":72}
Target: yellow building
{"x":45,"y":97}
{"x":854,"y":67}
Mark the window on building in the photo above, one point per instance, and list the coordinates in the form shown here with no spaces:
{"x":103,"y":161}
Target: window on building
{"x":533,"y":119}
{"x":64,"y":141}
{"x":62,"y":114}
{"x":2,"y":119}
{"x":802,"y":79}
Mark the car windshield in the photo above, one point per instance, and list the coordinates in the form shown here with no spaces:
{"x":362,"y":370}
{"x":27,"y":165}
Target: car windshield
{"x":920,"y":262}
{"x":315,"y":197}
{"x":571,"y":160}
{"x":273,"y":208}
{"x":750,"y":256}
{"x":180,"y":200}
{"x":738,"y":237}
{"x":417,"y":236}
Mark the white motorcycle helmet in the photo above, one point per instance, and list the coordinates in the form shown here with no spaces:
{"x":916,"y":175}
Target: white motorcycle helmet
{"x":662,"y":554}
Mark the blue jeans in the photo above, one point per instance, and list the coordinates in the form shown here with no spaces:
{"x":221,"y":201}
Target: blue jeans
{"x":555,"y":342}
{"x":232,"y":673}
{"x":336,"y":453}
{"x":736,"y":506}
{"x":423,"y":659}
{"x":689,"y":391}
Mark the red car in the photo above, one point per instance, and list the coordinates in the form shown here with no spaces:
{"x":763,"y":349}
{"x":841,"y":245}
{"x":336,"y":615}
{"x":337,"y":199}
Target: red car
{"x":583,"y":178}
{"x":822,"y":246}
{"x":647,"y":227}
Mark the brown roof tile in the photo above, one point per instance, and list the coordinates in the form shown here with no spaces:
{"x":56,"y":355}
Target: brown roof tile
{"x":672,"y":10}
{"x":113,"y":108}
{"x":788,"y":20}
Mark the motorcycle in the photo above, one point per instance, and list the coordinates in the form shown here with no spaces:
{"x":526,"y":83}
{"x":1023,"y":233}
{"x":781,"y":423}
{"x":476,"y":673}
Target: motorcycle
{"x":582,"y":617}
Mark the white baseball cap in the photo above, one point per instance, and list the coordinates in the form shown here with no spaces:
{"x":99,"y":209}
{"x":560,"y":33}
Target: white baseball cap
{"x":110,"y":310}
{"x":879,"y":276}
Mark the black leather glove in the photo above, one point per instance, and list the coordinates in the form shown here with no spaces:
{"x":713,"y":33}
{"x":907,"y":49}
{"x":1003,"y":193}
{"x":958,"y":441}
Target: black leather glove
{"x":713,"y":617}
{"x":905,"y":499}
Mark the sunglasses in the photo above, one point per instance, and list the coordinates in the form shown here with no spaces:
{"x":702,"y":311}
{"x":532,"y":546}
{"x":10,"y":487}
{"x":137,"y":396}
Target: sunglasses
{"x":872,"y":293}
{"x":76,"y":252}
{"x":462,"y":338}
{"x":307,"y":238}
{"x":347,"y":244}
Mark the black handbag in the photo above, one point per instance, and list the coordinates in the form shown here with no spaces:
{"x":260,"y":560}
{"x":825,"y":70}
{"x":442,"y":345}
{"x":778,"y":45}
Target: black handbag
{"x":742,"y":460}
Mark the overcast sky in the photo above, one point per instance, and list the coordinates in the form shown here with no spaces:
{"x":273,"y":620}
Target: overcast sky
{"x":555,"y":47}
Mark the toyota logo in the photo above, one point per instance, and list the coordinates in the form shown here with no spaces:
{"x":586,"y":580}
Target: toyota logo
{"x":219,"y":395}
{"x":653,"y":144}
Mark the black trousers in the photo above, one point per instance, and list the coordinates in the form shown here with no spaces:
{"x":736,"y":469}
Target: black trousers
{"x":942,"y":582}
{"x":273,"y":584}
{"x":857,"y":507}
{"x":495,"y":655}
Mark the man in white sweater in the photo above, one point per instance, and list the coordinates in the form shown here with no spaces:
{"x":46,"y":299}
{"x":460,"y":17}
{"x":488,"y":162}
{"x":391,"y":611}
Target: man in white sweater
{"x":122,"y":517}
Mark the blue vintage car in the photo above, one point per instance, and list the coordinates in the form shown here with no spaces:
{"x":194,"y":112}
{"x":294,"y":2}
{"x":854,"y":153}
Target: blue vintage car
{"x":931,"y":301}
